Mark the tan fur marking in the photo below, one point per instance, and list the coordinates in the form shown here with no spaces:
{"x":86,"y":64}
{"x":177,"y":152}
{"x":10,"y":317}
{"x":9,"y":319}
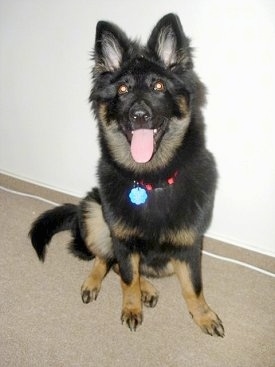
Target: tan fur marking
{"x":182,"y":103}
{"x":131,"y":304}
{"x":122,"y":231}
{"x":98,"y":238}
{"x":102,"y":112}
{"x":149,"y":294}
{"x":202,"y":314}
{"x":182,"y":237}
{"x":152,"y":272}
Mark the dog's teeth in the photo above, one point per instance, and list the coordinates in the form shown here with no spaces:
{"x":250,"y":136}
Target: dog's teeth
{"x":155,"y":131}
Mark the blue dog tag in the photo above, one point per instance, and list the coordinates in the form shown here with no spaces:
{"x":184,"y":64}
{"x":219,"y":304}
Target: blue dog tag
{"x":138,"y":195}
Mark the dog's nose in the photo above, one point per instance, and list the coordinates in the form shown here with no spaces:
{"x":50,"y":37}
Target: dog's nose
{"x":140,"y":115}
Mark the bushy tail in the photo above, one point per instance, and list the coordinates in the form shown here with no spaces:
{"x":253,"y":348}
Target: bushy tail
{"x":49,"y":223}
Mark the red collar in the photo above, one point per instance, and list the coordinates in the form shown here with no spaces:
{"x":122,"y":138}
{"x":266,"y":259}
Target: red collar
{"x":148,"y":186}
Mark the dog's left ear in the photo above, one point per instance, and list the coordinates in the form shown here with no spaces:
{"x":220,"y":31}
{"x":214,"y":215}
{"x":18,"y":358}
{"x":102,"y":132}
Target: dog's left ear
{"x":169,"y":42}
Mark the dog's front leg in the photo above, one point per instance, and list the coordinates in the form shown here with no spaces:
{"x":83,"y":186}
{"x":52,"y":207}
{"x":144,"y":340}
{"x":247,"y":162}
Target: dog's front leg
{"x":130,"y":283}
{"x":131,"y":304}
{"x":189,"y":275}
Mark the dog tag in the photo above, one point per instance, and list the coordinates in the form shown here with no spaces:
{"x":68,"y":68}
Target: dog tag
{"x":138,"y":195}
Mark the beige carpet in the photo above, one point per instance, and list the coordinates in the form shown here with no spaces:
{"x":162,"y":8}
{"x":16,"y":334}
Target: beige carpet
{"x":43,"y":321}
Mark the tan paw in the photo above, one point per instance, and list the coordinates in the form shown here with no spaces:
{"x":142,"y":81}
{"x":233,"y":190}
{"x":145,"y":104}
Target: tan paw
{"x":90,"y":290}
{"x":132,"y":317}
{"x":149,"y":299}
{"x":209,"y":323}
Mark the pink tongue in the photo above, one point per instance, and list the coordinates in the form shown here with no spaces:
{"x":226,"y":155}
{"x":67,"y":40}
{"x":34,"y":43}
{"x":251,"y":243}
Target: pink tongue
{"x":142,"y":145}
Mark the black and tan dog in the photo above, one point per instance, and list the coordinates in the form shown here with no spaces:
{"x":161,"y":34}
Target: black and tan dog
{"x":156,"y":179}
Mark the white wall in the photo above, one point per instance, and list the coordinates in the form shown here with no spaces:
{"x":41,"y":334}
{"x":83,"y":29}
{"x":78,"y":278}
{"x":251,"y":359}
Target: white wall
{"x":47,"y":132}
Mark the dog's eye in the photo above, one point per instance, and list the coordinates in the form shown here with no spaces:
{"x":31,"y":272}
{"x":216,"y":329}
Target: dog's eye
{"x":159,"y":86}
{"x":122,"y":89}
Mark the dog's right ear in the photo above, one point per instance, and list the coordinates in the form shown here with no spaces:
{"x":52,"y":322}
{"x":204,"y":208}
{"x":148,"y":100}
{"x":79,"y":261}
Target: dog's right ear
{"x":110,"y":45}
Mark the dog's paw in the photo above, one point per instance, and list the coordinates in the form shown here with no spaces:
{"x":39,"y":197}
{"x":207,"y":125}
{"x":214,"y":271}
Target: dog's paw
{"x":149,"y":294}
{"x":210,"y":323}
{"x":132,"y":317}
{"x":89,"y":291}
{"x":149,"y":299}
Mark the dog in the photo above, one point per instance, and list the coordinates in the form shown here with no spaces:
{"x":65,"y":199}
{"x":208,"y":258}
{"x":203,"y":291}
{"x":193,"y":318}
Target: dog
{"x":156,"y":179}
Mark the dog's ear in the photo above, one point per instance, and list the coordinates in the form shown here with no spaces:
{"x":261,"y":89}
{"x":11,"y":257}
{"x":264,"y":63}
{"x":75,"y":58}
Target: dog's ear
{"x":110,"y":45}
{"x":169,"y":42}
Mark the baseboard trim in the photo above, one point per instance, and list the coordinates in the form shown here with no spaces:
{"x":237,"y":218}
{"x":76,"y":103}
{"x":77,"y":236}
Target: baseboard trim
{"x":234,"y":242}
{"x":213,"y":242}
{"x":37,"y":183}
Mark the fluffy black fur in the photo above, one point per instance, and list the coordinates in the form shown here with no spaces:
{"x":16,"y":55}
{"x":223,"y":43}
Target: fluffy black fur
{"x":151,"y":87}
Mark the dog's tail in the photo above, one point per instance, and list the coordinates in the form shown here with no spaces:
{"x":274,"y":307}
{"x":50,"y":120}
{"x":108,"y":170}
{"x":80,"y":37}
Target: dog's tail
{"x":61,"y":218}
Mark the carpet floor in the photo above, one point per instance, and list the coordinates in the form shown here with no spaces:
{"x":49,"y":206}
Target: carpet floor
{"x":43,"y":321}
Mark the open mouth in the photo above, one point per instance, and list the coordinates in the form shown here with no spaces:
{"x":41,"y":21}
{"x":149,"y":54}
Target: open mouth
{"x":144,"y":143}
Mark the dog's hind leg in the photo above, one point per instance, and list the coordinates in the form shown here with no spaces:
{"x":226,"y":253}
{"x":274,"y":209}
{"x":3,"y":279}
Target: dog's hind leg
{"x":92,"y":285}
{"x":149,"y":294}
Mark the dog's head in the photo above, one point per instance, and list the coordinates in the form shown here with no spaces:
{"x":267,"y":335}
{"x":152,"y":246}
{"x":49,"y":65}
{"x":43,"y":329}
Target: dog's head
{"x":143,"y":96}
